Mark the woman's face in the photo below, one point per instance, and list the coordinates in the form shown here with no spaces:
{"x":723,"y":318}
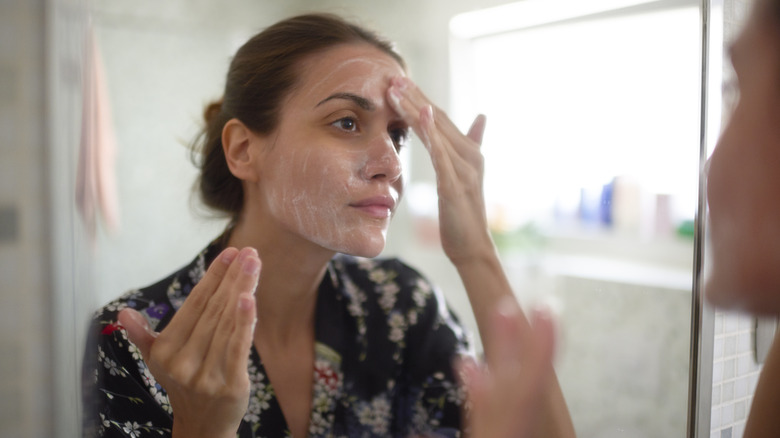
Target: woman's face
{"x":331,"y":172}
{"x":743,"y":184}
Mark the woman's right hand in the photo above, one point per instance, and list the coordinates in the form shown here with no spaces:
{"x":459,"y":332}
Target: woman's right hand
{"x":200,"y":358}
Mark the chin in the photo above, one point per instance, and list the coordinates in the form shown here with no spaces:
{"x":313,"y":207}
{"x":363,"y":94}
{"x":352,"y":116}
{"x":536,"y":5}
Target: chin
{"x":743,"y":292}
{"x":368,"y":247}
{"x":369,"y":251}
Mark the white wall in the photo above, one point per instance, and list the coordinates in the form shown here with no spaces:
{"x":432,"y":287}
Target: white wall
{"x":25,"y":316}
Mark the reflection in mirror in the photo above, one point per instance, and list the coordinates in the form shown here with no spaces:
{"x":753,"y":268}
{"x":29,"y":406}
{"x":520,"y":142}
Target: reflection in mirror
{"x":591,"y":182}
{"x":591,"y":152}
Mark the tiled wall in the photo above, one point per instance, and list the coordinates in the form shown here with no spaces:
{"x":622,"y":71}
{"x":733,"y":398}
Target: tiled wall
{"x":734,"y":373}
{"x":734,"y":369}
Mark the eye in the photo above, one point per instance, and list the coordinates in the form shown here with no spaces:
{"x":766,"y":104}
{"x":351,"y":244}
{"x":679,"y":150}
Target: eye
{"x":400,"y":136}
{"x":346,"y":124}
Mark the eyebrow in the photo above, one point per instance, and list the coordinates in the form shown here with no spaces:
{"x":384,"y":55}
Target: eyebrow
{"x":360,"y":101}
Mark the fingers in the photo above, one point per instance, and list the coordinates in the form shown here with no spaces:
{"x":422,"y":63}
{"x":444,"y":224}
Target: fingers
{"x":442,"y":161}
{"x":232,"y":336}
{"x":543,"y":342}
{"x":455,"y":157}
{"x":240,"y":343}
{"x":522,"y":349}
{"x":526,"y":365}
{"x":206,"y":345}
{"x":508,"y":341}
{"x":187,"y":316}
{"x":505,"y":395}
{"x":473,"y":377}
{"x":410,"y":102}
{"x":138,"y":330}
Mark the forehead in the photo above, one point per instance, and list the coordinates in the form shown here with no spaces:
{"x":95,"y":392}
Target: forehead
{"x":357,"y":68}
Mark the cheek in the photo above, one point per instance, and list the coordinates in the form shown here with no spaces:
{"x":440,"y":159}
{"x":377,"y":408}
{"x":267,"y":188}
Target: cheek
{"x":744,"y":208}
{"x":310,"y":193}
{"x":310,"y":178}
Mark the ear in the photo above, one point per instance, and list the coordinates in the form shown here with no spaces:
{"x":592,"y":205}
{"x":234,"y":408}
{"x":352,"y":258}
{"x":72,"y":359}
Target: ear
{"x":239,"y":144}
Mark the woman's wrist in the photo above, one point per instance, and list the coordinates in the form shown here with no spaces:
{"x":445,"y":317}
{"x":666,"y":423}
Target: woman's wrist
{"x":482,"y":253}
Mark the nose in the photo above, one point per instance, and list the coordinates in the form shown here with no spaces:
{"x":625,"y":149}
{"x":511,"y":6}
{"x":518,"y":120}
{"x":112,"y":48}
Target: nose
{"x":383,"y":162}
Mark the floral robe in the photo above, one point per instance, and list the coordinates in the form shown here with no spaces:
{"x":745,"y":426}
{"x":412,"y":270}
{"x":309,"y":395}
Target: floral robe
{"x":385,"y":342}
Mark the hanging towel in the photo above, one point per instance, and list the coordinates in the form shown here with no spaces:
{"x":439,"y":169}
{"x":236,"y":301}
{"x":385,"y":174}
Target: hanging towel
{"x":96,"y":188}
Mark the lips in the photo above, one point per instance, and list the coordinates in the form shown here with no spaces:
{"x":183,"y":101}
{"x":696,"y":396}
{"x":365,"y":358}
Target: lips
{"x":381,"y":206}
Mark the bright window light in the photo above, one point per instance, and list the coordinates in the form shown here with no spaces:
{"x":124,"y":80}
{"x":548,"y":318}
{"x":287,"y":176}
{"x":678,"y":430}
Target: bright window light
{"x":583,"y":107}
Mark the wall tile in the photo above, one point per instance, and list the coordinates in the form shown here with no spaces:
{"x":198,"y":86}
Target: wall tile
{"x":717,"y":390}
{"x":731,"y":323}
{"x":717,"y":348}
{"x":717,"y":371}
{"x":727,"y":414}
{"x":718,"y":324}
{"x":729,"y":369}
{"x":739,"y":410}
{"x":744,"y":342}
{"x":730,"y":345}
{"x":715,"y":418}
{"x":728,"y":392}
{"x":741,"y":388}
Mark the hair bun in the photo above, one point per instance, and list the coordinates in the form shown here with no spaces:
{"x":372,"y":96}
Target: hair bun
{"x":211,"y":112}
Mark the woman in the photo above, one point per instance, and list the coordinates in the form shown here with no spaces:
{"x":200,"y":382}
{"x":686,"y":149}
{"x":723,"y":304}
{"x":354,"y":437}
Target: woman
{"x":743,"y":184}
{"x":302,"y":154}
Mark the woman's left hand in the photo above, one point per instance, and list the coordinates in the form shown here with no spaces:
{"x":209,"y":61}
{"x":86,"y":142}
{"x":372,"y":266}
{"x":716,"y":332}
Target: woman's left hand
{"x":459,"y":167}
{"x":507,"y":395}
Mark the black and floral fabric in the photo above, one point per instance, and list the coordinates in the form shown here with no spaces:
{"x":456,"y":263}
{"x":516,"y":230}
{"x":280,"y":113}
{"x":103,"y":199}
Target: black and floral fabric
{"x":385,"y":343}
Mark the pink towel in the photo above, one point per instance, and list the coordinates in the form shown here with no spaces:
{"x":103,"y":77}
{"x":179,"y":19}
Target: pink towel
{"x":96,"y":192}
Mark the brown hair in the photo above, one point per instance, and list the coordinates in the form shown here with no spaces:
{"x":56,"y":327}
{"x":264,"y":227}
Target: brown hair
{"x":776,"y":5}
{"x":261,"y":74}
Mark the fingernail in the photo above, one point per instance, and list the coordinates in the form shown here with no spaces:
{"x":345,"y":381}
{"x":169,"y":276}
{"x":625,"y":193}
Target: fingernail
{"x":395,"y":96}
{"x":251,"y":265}
{"x":228,"y":255}
{"x":137,"y":317}
{"x":244,"y":253}
{"x":429,"y":113}
{"x":140,"y":320}
{"x":402,"y":83}
{"x":508,"y":307}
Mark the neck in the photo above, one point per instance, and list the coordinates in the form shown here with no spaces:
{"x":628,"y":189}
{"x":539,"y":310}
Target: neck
{"x":292,"y":270}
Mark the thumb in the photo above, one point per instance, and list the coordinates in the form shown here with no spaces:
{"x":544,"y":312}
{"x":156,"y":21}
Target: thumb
{"x":138,"y":330}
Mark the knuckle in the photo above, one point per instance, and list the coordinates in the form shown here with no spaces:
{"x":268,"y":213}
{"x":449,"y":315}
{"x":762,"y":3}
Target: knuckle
{"x":197,"y":300}
{"x":181,"y":373}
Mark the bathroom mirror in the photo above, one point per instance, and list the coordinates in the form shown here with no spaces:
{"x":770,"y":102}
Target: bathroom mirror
{"x":592,"y":169}
{"x":592,"y":185}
